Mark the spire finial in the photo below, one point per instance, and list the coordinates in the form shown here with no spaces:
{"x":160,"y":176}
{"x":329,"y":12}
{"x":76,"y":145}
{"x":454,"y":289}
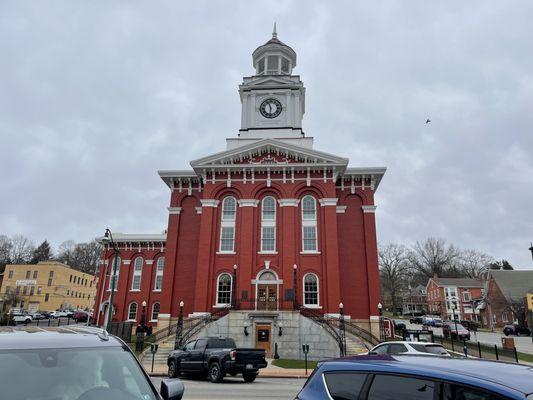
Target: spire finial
{"x":274,"y":32}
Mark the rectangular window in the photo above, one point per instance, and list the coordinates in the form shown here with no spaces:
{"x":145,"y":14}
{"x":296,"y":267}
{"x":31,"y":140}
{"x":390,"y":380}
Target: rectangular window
{"x":268,"y":238}
{"x":39,"y":290}
{"x":17,"y":290}
{"x":114,"y":279}
{"x":309,"y":238}
{"x":261,"y":66}
{"x":51,"y":274}
{"x":284,"y":65}
{"x":70,"y":280}
{"x":46,"y":297}
{"x":32,"y":290}
{"x":159,"y":274}
{"x":34,"y":274}
{"x":10,"y":274}
{"x":50,"y":282}
{"x":466,"y":296}
{"x":137,"y":271}
{"x":227,"y":239}
{"x":28,"y":274}
{"x":68,"y":292}
{"x":25,"y":290}
{"x":272,"y":64}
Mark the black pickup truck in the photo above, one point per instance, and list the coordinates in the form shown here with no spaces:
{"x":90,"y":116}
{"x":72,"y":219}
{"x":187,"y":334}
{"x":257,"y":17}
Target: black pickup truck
{"x":216,"y":357}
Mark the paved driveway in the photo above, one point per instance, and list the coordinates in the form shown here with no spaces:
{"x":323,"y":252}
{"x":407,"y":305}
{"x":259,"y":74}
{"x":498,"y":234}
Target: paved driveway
{"x":523,"y":344}
{"x":236,"y":388}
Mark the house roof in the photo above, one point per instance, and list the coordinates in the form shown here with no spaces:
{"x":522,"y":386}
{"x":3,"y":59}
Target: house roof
{"x":514,"y":284}
{"x":459,"y":282}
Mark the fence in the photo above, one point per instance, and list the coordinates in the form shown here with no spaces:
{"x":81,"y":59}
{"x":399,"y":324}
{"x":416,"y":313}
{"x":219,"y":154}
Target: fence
{"x":479,"y":350}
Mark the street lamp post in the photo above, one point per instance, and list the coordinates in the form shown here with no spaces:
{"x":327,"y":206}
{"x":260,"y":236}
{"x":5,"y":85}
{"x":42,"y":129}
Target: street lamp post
{"x":380,"y":310}
{"x":234,"y":287}
{"x":342,"y":329}
{"x":179,"y":328}
{"x":453,"y":306}
{"x":531,"y":249}
{"x":108,"y":239}
{"x":295,"y":283}
{"x":143,"y":316}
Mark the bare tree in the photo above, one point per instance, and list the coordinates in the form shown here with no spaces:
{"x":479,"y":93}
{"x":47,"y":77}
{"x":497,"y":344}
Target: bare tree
{"x":394,"y":267}
{"x":473,"y":263}
{"x":432,"y":257}
{"x":66,"y":252}
{"x":82,"y":256}
{"x":519,"y":309}
{"x":21,"y":249}
{"x":5,"y":251}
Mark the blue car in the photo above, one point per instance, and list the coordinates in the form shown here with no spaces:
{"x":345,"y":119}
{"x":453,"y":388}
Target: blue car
{"x":384,"y":377}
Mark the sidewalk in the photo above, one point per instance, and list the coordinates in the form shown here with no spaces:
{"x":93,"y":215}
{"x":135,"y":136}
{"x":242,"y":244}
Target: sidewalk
{"x":271,"y":371}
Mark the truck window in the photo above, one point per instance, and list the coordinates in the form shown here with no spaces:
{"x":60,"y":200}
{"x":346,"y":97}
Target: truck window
{"x":189,"y":346}
{"x":221,"y":343}
{"x":200,"y":344}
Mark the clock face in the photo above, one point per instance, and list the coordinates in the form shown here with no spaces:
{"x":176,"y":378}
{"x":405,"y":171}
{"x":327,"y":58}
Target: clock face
{"x":270,"y":108}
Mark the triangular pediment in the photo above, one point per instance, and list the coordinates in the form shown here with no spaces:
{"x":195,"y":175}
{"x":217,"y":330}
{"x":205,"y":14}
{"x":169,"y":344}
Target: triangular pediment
{"x":269,"y":152}
{"x":271,"y":81}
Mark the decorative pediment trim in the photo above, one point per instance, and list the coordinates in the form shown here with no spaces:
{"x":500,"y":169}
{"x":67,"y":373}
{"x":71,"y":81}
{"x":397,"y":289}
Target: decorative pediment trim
{"x":248,"y":202}
{"x":174,"y":210}
{"x":328,"y":201}
{"x":368,"y":209}
{"x":341,"y":209}
{"x":288,"y":202}
{"x":209,"y":202}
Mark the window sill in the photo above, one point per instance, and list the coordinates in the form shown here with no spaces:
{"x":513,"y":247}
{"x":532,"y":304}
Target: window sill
{"x":222,"y":306}
{"x":153,"y":320}
{"x":131,"y":320}
{"x":225,"y":252}
{"x":135,"y":290}
{"x":267,"y":252}
{"x":156,"y":290}
{"x":310,"y":252}
{"x":312,"y":306}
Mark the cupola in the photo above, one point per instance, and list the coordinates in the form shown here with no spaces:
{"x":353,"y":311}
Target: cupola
{"x":274,"y":57}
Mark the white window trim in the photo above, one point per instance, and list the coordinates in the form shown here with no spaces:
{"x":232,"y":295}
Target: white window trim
{"x":226,"y":252}
{"x":136,"y":311}
{"x":111,"y":273}
{"x":152,"y":313}
{"x":309,"y":223}
{"x":268,"y":223}
{"x":317,"y":288}
{"x":217,"y":304}
{"x":137,"y":273}
{"x":227,"y":224}
{"x":157,"y":274}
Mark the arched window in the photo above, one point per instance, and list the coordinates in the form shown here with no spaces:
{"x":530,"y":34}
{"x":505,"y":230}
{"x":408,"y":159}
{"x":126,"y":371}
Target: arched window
{"x":224,"y":289}
{"x":132,"y":311}
{"x":309,"y":225}
{"x":137,"y":273}
{"x":159,"y":274}
{"x":110,"y":268}
{"x":227,"y":225}
{"x":268,"y":224}
{"x":311,"y":290}
{"x":155,"y":311}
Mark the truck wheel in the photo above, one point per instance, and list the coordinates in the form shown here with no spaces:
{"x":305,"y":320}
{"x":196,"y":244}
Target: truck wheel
{"x":215,"y":373}
{"x":172,"y":370}
{"x":249,"y":377}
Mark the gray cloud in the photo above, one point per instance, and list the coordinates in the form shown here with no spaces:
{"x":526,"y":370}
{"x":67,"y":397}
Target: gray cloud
{"x":96,"y":97}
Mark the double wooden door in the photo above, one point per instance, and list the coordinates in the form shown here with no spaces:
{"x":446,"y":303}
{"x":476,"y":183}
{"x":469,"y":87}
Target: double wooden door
{"x":267,"y":297}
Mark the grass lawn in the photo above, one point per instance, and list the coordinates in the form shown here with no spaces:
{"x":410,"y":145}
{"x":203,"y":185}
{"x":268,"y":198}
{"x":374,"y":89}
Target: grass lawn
{"x":525,"y":357}
{"x":300,"y":364}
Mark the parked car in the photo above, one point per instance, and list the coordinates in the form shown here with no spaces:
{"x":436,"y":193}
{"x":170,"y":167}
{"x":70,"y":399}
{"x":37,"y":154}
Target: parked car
{"x":517,"y":330}
{"x":455,"y":330}
{"x":46,"y":314}
{"x":472,"y":326}
{"x":417,"y":378}
{"x":416,"y":320}
{"x":21,"y":317}
{"x":62,"y":314}
{"x":82,"y":363}
{"x":431,"y":320}
{"x":81,"y":316}
{"x":216,"y":357}
{"x":419,"y":348}
{"x":37,"y":315}
{"x":399,"y":325}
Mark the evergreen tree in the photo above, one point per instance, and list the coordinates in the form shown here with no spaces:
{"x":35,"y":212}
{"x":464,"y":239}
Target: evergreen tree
{"x":42,"y":253}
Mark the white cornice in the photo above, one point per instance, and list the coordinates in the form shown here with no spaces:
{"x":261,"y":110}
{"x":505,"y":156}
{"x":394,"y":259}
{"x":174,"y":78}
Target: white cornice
{"x":174,"y":210}
{"x":248,"y":202}
{"x":209,"y":202}
{"x":198,"y":210}
{"x":341,"y":209}
{"x":369,"y":209}
{"x":328,"y":201}
{"x":288,"y":202}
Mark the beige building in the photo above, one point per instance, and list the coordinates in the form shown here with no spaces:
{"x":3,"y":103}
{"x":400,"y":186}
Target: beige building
{"x":47,"y":286}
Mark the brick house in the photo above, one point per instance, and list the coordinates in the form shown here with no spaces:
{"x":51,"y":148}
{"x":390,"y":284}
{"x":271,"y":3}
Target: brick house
{"x":505,"y":297}
{"x":414,"y":302}
{"x":465,"y":293}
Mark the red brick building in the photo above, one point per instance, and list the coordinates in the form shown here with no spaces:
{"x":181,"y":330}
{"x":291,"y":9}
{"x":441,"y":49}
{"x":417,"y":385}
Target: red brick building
{"x":266,"y":223}
{"x":463,"y":293}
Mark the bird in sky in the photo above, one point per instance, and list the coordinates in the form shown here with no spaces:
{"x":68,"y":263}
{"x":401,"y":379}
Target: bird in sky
{"x":428,"y":121}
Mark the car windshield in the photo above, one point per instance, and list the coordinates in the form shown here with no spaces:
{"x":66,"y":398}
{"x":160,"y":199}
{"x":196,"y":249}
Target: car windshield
{"x":72,"y":374}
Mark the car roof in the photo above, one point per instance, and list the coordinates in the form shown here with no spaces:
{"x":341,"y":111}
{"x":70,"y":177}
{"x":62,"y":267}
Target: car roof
{"x":517,"y":377}
{"x":62,"y":337}
{"x":411,"y":342}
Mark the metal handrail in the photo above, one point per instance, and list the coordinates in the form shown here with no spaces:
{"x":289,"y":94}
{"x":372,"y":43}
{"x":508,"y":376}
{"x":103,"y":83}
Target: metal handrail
{"x":326,"y":324}
{"x":356,"y":330}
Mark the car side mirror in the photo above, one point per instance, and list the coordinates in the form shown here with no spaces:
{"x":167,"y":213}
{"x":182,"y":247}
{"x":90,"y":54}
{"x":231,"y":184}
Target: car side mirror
{"x":171,"y":389}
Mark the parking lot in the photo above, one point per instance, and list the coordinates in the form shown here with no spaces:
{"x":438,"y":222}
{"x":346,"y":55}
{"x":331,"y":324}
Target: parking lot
{"x":236,"y":388}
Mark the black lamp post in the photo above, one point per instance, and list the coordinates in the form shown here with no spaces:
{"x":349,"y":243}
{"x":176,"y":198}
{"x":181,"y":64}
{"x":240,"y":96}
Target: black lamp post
{"x":234,"y":287}
{"x":531,"y":249}
{"x":342,"y":329}
{"x":455,"y":319}
{"x":179,"y":328}
{"x":108,"y":239}
{"x":143,"y":317}
{"x":295,"y":283}
{"x":380,"y":310}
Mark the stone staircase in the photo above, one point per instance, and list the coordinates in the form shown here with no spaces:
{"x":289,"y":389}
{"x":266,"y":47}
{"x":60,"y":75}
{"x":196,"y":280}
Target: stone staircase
{"x":354,"y":345}
{"x":165,"y":347}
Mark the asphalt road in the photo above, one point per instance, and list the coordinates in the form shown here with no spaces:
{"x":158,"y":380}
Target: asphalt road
{"x":236,"y":388}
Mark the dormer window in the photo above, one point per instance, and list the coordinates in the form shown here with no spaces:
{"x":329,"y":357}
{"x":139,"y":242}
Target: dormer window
{"x":272,"y":65}
{"x":285,"y":68}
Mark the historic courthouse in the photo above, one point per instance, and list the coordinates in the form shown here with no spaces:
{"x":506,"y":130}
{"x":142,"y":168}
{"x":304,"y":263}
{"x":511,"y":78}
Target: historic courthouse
{"x":265,"y":228}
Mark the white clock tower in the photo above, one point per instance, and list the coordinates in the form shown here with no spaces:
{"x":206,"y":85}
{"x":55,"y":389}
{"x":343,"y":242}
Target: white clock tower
{"x":273,"y":100}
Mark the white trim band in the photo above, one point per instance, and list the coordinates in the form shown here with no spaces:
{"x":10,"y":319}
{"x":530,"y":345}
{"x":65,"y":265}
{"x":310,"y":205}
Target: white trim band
{"x":198,"y":210}
{"x":248,"y":202}
{"x":341,"y":209}
{"x":288,"y":202}
{"x":368,"y":209}
{"x":209,"y":202}
{"x":328,"y":201}
{"x":174,"y":210}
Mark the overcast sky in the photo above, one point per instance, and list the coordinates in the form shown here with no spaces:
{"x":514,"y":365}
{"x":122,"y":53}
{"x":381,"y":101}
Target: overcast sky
{"x":96,"y":97}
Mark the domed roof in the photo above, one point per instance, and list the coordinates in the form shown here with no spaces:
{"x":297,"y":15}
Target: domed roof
{"x":274,"y":45}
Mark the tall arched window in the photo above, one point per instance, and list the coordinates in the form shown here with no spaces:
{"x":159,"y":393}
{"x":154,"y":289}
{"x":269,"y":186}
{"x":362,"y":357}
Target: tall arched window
{"x":132,"y":311}
{"x":227,"y":225}
{"x":224,"y":289}
{"x":155,"y":311}
{"x":137,"y":273}
{"x":110,"y":268}
{"x":311,"y":290}
{"x":309,"y":225}
{"x":268,"y":224}
{"x":159,"y":274}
